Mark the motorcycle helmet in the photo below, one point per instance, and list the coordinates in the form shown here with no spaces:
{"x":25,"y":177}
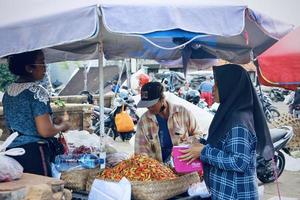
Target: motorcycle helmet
{"x":123,"y":94}
{"x":193,"y":96}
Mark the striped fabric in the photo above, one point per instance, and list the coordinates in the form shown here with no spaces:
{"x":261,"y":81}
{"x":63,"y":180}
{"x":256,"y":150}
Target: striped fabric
{"x":180,"y":121}
{"x":232,"y":166}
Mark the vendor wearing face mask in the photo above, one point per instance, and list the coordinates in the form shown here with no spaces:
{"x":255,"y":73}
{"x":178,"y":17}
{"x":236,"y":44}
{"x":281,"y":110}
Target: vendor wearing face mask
{"x":164,"y":125}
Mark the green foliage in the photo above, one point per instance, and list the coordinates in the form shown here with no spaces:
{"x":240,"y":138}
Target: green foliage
{"x":6,"y":77}
{"x":60,"y":103}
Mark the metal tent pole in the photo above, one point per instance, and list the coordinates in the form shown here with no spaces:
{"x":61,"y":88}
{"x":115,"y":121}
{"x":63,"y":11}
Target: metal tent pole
{"x":128,"y":74}
{"x":102,"y":155}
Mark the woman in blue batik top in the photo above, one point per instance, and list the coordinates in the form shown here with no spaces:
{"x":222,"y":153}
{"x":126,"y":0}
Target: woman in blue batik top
{"x":237,"y":132}
{"x":27,"y":111}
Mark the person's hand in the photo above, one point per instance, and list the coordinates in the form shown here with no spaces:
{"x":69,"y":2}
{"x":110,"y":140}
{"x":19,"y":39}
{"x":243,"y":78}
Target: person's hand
{"x":58,"y":120}
{"x":65,"y":126}
{"x":192,"y":153}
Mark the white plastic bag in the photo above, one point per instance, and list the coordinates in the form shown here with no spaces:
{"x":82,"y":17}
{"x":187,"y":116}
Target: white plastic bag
{"x":261,"y":192}
{"x":105,"y":190}
{"x":199,"y":189}
{"x":10,"y":169}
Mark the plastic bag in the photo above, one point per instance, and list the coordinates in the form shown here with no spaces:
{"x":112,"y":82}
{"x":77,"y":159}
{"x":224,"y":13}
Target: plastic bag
{"x":105,"y":190}
{"x":10,"y":169}
{"x":124,"y":122}
{"x":199,"y":189}
{"x":76,"y":139}
{"x":115,"y":158}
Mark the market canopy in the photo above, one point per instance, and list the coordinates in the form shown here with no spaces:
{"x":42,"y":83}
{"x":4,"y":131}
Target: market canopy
{"x":280,"y":64}
{"x":69,"y":30}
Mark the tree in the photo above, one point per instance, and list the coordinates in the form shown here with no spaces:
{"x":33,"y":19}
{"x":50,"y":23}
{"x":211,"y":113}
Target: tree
{"x":5,"y":76}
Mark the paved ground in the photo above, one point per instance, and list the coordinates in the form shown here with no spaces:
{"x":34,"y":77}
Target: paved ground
{"x":289,"y":187}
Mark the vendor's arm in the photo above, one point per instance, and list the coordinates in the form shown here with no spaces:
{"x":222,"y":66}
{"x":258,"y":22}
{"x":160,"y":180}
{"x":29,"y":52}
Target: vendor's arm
{"x":239,"y":145}
{"x":142,"y":142}
{"x":193,"y":126}
{"x":46,"y":128}
{"x":42,"y":115}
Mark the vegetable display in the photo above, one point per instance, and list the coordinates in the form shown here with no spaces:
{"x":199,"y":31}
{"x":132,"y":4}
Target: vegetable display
{"x":138,"y":168}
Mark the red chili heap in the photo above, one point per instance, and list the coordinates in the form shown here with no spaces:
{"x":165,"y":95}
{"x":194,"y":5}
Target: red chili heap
{"x":138,"y":168}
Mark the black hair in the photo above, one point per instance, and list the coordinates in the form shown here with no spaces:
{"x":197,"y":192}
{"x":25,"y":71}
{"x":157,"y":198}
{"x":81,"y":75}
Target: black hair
{"x":17,"y":62}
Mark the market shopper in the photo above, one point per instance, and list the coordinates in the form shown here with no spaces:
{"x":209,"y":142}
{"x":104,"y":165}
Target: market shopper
{"x":184,"y":90}
{"x":237,"y":132}
{"x":164,"y":124}
{"x":27,"y":111}
{"x":205,"y":89}
{"x":296,"y":101}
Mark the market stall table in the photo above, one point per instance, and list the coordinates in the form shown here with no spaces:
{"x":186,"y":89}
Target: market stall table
{"x":30,"y":185}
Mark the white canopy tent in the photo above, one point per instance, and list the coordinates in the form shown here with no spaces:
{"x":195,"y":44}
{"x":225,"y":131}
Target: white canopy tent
{"x":69,"y":30}
{"x":86,"y":29}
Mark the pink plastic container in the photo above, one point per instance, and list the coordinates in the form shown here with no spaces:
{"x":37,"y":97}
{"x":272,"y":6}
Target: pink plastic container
{"x":182,"y":166}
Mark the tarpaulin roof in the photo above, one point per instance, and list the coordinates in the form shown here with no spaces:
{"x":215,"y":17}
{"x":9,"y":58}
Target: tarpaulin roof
{"x":68,"y":29}
{"x":280,"y":64}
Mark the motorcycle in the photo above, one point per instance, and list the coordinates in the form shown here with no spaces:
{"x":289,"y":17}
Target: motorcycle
{"x":109,"y":117}
{"x":270,"y":111}
{"x":276,"y":95}
{"x":269,"y":170}
{"x":172,"y":81}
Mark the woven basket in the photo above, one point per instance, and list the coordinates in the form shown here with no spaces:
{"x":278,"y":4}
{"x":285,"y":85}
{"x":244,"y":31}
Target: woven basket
{"x":289,"y":120}
{"x":157,"y":190}
{"x":90,"y":179}
{"x":76,"y":179}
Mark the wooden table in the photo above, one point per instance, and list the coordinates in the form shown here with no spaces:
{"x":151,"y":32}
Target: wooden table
{"x":17,"y":189}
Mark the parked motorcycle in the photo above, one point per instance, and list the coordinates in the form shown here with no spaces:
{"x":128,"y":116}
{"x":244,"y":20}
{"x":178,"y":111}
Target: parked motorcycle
{"x":172,"y":81}
{"x":268,"y":171}
{"x":270,"y":111}
{"x":109,"y":116}
{"x":276,"y":95}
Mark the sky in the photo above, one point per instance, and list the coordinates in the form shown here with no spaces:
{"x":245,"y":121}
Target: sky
{"x":285,"y":10}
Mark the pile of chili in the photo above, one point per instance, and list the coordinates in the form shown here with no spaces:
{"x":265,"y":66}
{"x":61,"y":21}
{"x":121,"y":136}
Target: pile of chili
{"x":138,"y":168}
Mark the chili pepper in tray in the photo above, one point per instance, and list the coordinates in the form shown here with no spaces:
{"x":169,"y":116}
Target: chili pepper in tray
{"x":138,"y":168}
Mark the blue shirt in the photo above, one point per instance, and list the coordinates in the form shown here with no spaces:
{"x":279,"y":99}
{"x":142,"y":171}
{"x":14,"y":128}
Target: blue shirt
{"x":206,"y":86}
{"x":22,"y":102}
{"x":164,"y":138}
{"x":232,"y":166}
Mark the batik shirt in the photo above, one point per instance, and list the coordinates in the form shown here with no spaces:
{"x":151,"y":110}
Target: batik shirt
{"x":22,"y":102}
{"x":232,"y":165}
{"x":181,"y":124}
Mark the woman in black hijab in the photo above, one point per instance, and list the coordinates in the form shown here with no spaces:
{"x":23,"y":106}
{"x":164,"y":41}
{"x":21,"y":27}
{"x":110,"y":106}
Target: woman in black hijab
{"x":237,"y":132}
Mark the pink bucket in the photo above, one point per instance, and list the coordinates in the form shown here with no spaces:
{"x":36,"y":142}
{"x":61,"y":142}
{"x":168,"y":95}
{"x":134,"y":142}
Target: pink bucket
{"x":182,"y":166}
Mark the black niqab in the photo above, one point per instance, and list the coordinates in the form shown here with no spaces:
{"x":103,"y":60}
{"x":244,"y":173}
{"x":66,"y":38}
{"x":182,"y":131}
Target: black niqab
{"x":239,"y":105}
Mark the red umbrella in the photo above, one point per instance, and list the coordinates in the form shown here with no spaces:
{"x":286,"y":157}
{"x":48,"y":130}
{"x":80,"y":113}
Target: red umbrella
{"x":280,"y":64}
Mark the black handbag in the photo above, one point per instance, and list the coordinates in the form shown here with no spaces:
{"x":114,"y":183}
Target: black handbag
{"x":55,"y":146}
